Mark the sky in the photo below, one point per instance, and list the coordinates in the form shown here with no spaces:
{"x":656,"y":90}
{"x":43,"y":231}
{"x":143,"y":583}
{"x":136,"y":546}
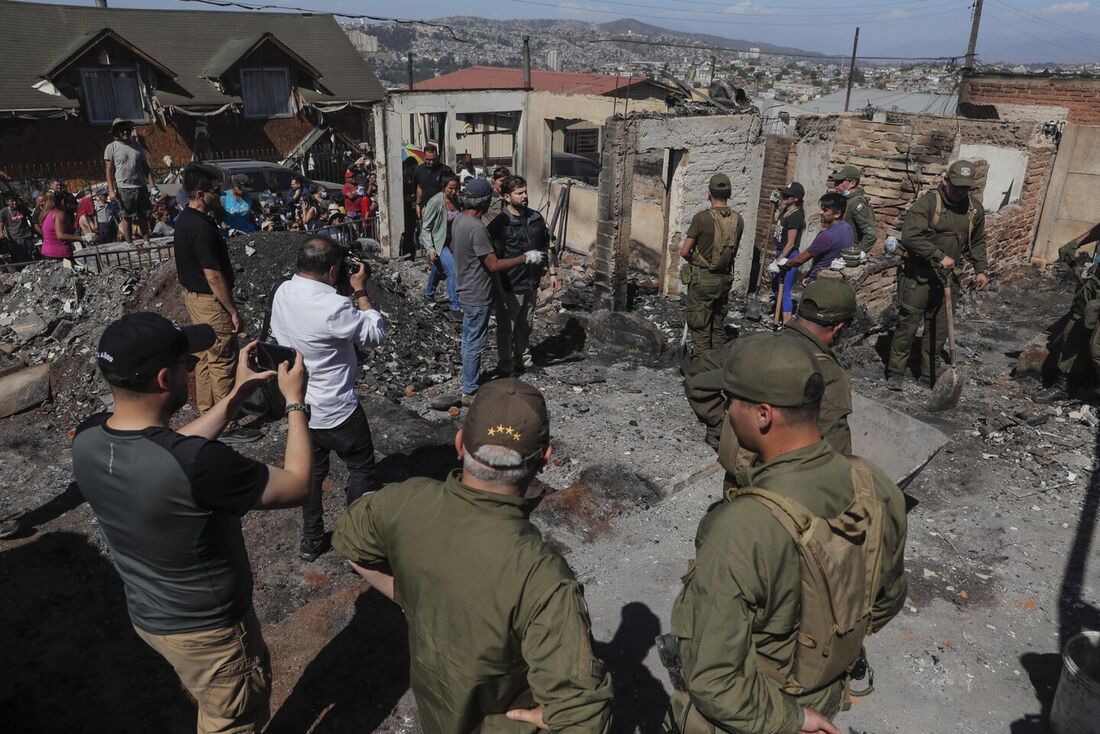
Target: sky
{"x":1066,"y":31}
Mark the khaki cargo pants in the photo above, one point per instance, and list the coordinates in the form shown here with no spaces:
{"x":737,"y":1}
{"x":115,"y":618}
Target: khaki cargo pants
{"x":708,"y":302}
{"x":217,"y":366}
{"x":227,"y":670}
{"x":920,"y":300}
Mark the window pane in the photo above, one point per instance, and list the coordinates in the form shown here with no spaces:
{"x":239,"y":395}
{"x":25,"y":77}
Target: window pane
{"x":111,"y":93}
{"x":266,"y":92}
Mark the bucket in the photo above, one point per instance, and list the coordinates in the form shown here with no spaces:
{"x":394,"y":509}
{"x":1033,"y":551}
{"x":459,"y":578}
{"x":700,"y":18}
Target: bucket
{"x":1076,"y":707}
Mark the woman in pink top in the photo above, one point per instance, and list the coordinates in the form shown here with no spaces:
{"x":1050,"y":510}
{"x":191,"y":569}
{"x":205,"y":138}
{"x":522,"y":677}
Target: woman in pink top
{"x":56,"y":230}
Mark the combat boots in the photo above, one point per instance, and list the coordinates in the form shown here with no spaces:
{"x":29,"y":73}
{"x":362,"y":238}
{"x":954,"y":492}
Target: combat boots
{"x":1057,"y":392}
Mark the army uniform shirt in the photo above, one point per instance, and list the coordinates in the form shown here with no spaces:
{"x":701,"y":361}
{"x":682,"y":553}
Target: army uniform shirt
{"x":832,"y":418}
{"x":861,"y":216}
{"x":959,"y":232}
{"x":496,"y":618}
{"x":741,"y":598}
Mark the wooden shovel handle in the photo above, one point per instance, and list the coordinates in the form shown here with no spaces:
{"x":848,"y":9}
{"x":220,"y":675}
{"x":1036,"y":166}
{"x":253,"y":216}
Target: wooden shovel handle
{"x":947,"y":303}
{"x":779,"y":299}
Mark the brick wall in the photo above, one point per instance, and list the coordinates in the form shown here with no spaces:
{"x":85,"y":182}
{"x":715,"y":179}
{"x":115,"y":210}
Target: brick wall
{"x":777,"y":155}
{"x":1080,"y":96}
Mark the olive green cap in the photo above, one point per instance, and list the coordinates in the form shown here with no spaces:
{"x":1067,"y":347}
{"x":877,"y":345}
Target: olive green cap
{"x":720,"y":182}
{"x":768,"y":368}
{"x":962,"y":173}
{"x":509,"y":413}
{"x":847,"y":172}
{"x":828,"y":301}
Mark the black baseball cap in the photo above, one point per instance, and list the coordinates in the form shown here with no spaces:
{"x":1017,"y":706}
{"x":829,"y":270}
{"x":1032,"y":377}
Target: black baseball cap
{"x":794,"y":189}
{"x":136,"y":346}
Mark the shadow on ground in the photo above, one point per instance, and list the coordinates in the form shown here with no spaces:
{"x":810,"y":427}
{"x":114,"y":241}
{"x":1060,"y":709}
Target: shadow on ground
{"x":640,"y":700}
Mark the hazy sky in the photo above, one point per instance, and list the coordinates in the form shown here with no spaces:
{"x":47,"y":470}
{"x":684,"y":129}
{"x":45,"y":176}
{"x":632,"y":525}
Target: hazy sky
{"x":1016,"y":30}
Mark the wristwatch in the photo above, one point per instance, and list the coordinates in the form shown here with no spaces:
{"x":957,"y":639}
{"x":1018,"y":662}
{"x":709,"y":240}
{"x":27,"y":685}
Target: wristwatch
{"x":297,"y":406}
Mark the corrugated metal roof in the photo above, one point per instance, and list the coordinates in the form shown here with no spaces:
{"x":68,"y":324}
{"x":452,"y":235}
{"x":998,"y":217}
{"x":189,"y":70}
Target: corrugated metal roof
{"x":499,"y":77}
{"x":882,"y":99}
{"x":35,"y":38}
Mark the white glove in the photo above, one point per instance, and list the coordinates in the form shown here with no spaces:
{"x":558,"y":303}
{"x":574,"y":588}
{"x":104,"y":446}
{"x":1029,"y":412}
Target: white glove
{"x":838,"y":264}
{"x":534,"y":257}
{"x":891,"y":244}
{"x":775,"y":196}
{"x":90,"y":238}
{"x":774,"y":268}
{"x":154,"y":191}
{"x":234,"y":232}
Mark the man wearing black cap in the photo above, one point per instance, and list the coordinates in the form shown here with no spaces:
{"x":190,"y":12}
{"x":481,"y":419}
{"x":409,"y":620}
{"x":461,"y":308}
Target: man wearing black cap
{"x":709,"y":249}
{"x":204,"y":271}
{"x":169,"y":505}
{"x":498,"y":628}
{"x":761,"y":648}
{"x":940,"y":229}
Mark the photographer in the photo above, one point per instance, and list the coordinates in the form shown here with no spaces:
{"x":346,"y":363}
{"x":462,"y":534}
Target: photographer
{"x":309,"y":315}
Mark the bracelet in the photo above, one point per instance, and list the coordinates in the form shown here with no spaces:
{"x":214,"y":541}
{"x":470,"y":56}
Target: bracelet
{"x":359,"y":294}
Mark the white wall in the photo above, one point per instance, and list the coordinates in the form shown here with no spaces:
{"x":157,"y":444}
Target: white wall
{"x":1007,"y":169}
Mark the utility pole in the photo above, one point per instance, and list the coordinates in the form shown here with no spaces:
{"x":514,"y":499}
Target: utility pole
{"x":852,"y":70}
{"x":713,"y":61}
{"x":412,"y":117}
{"x":526,"y":62}
{"x":973,"y":36}
{"x":101,"y":3}
{"x":412,"y":82}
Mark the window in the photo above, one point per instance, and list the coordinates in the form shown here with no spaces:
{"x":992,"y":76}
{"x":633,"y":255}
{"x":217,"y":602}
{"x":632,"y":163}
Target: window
{"x":266,"y":92}
{"x":583,"y":142}
{"x":111,"y":93}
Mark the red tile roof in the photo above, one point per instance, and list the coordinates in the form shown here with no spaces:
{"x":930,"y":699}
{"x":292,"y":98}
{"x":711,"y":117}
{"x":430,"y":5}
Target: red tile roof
{"x":496,"y":77}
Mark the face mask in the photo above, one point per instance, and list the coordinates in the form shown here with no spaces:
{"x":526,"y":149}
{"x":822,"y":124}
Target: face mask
{"x":847,"y":193}
{"x":360,"y":191}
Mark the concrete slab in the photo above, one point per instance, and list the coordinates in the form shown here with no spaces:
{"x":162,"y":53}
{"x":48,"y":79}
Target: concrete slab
{"x":898,"y":443}
{"x":24,"y":389}
{"x":29,"y":326}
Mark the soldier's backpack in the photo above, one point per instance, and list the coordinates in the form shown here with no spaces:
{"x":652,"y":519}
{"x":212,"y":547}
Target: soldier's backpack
{"x":726,"y":224}
{"x":840,"y":561}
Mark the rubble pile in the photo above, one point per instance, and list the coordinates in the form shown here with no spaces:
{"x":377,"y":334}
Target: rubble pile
{"x":51,"y":315}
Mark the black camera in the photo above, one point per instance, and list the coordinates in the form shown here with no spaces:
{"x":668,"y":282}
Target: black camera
{"x":354,"y":258}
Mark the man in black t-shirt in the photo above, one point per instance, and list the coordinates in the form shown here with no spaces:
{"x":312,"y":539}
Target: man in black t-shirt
{"x":204,"y":270}
{"x":428,"y":175}
{"x":169,"y":505}
{"x":16,"y":226}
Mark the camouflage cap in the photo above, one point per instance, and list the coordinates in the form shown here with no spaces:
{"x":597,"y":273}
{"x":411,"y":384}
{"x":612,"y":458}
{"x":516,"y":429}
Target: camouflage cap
{"x":844,"y":173}
{"x":507,"y":413}
{"x":767,"y":368}
{"x":828,"y":301}
{"x":961,"y":173}
{"x":720,"y":182}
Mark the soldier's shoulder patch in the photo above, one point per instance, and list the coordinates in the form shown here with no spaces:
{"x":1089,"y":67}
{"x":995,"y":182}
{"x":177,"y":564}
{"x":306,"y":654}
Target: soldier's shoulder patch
{"x":859,"y":207}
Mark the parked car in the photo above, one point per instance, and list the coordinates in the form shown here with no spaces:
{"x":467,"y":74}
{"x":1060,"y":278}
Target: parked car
{"x":261,"y":176}
{"x":570,"y":165}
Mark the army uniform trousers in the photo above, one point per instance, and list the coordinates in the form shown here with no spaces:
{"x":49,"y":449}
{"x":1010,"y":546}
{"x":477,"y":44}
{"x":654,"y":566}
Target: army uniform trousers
{"x":920,"y":300}
{"x":1080,"y":343}
{"x":708,"y":302}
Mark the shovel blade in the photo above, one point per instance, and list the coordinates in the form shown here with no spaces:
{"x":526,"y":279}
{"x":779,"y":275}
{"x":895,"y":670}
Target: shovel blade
{"x":947,"y":390}
{"x":753,"y":309}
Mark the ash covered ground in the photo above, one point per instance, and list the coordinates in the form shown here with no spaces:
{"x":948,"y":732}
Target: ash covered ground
{"x":1001,"y":520}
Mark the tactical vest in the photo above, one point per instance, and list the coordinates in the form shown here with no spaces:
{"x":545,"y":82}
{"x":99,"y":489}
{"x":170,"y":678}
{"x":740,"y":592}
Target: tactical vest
{"x":840,"y":561}
{"x":724,"y":246}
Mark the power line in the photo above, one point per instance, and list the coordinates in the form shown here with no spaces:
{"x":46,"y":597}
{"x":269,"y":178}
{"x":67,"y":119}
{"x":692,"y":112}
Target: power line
{"x":788,"y":12}
{"x":703,"y":47}
{"x":1059,"y":26}
{"x":1040,"y":39}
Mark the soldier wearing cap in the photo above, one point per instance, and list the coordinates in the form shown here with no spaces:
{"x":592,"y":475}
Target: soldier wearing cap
{"x":738,"y":616}
{"x":858,"y":212}
{"x":499,"y":636}
{"x":826,"y":309}
{"x":709,"y":249}
{"x":941,"y":228}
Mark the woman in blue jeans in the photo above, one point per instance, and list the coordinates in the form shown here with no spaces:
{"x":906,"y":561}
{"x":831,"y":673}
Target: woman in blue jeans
{"x":790,"y":222}
{"x":435,"y":238}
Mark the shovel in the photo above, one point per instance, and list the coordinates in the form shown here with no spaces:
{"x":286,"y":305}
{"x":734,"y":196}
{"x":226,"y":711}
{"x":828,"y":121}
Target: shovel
{"x":755,"y":305}
{"x":776,"y":320}
{"x":949,"y":385}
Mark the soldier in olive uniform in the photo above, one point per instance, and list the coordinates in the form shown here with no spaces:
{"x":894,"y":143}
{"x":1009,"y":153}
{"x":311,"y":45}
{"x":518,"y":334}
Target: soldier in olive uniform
{"x":858,"y":213}
{"x":499,"y":635}
{"x":826,"y":309}
{"x":1079,"y":348}
{"x":739,"y":615}
{"x":709,"y":249}
{"x":940,"y":229}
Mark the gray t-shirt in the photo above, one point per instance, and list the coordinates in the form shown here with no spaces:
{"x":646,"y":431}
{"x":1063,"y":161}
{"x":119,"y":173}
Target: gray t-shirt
{"x":129,"y":160}
{"x":470,"y":242}
{"x":169,"y":507}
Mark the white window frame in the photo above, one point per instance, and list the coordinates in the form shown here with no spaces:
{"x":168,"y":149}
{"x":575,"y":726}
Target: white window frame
{"x":86,"y":70}
{"x":289,"y":92}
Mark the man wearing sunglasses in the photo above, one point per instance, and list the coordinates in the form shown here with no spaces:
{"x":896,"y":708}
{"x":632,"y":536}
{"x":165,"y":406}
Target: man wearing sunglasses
{"x":169,"y":503}
{"x":204,"y":271}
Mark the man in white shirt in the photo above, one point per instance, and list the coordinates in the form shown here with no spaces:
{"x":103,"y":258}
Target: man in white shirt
{"x":327,"y":328}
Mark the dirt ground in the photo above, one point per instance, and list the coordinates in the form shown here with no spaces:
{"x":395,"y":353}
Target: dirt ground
{"x":1001,"y":525}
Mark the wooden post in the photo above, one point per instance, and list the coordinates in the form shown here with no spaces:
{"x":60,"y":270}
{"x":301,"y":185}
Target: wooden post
{"x":851,"y":70}
{"x":972,"y":45}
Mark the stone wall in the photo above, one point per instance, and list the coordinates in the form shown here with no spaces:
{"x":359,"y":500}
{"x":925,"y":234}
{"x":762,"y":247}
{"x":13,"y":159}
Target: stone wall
{"x":777,"y":153}
{"x":1079,"y":96}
